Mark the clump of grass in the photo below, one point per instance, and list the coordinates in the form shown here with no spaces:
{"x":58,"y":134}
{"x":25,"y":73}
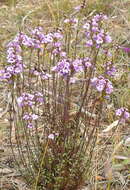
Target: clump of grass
{"x":98,"y":6}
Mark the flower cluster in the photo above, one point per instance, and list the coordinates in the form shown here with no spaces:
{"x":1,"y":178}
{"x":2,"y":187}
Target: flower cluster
{"x":29,"y":42}
{"x":14,"y":59}
{"x":123,"y":114}
{"x":95,"y":35}
{"x":42,"y":74}
{"x":110,"y":69}
{"x":27,"y":99}
{"x":57,"y":44}
{"x":62,"y":67}
{"x":71,"y":21}
{"x":36,"y":40}
{"x":102,"y":84}
{"x":87,"y":62}
{"x":66,"y":66}
{"x":40,"y":37}
{"x":51,"y":38}
{"x":30,"y":118}
{"x":77,"y":65}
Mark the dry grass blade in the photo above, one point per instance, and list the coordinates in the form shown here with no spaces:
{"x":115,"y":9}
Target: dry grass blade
{"x":111,"y":126}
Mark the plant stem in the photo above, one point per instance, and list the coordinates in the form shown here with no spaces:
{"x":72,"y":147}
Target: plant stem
{"x":37,"y":178}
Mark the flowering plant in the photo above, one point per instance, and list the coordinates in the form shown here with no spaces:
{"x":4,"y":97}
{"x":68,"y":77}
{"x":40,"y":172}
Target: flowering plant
{"x":56,"y":88}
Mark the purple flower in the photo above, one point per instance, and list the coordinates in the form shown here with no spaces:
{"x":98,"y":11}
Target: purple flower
{"x":94,"y":23}
{"x":86,"y":62}
{"x":48,"y":38}
{"x":89,"y":43}
{"x":95,"y":29}
{"x":71,"y":21}
{"x":73,"y":80}
{"x":119,"y":111}
{"x":66,"y":21}
{"x":126,"y":115}
{"x":63,"y":54}
{"x":2,"y":72}
{"x":38,"y":94}
{"x":51,"y":136}
{"x":14,"y":56}
{"x":99,"y":83}
{"x":37,"y":31}
{"x":126,"y":49}
{"x":111,"y":71}
{"x":27,"y":41}
{"x":99,"y":40}
{"x":10,"y":50}
{"x":30,"y":116}
{"x":86,"y":26}
{"x":40,"y":100}
{"x":39,"y":97}
{"x":20,"y":101}
{"x":62,"y":67}
{"x":27,"y":99}
{"x":14,"y":44}
{"x":123,"y":113}
{"x":77,"y":65}
{"x":56,"y":51}
{"x":109,"y":87}
{"x":102,"y":84}
{"x":95,"y":34}
{"x":45,"y":76}
{"x":100,"y":17}
{"x":27,"y":117}
{"x":10,"y":69}
{"x":28,"y":96}
{"x":11,"y":60}
{"x":7,"y":75}
{"x":96,"y":18}
{"x":65,"y":66}
{"x":18,"y":69}
{"x":108,"y":39}
{"x":88,"y":35}
{"x":57,"y":44}
{"x":57,"y":35}
{"x":35,"y":72}
{"x":30,"y":125}
{"x":34,"y":116}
